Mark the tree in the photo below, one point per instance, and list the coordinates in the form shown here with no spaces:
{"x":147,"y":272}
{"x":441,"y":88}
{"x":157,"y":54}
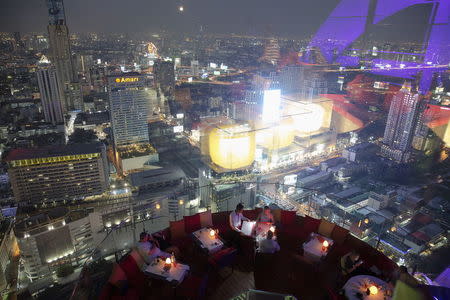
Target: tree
{"x":64,"y":270}
{"x":81,"y":136}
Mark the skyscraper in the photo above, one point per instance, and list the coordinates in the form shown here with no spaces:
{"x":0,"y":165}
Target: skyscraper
{"x":61,"y":57}
{"x":128,"y":98}
{"x":291,"y":79}
{"x":50,"y":94}
{"x":313,"y":86}
{"x":165,"y":77}
{"x":401,"y":124}
{"x":271,"y":52}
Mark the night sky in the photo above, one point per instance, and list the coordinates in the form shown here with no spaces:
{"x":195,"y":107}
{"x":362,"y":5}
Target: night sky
{"x":291,"y":18}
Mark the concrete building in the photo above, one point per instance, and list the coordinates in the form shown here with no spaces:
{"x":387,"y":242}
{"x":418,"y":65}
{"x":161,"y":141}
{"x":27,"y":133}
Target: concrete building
{"x":357,"y":152}
{"x":57,"y":237}
{"x":58,"y":172}
{"x":51,"y":98}
{"x":8,"y":250}
{"x":313,"y":179}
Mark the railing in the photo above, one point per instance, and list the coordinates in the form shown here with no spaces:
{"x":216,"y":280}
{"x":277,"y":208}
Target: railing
{"x":369,"y":224}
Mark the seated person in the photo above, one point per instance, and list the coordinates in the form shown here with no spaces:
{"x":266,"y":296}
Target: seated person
{"x":236,"y":218}
{"x":268,"y":245}
{"x":265,"y":216}
{"x":162,"y":243}
{"x":148,"y":249}
{"x":350,"y":262}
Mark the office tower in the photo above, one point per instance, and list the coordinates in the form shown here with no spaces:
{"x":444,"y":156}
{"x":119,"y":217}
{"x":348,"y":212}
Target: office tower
{"x":291,"y":79}
{"x":61,"y":56}
{"x":400,"y":125}
{"x":50,"y":94}
{"x":56,"y":173}
{"x":165,"y":77}
{"x":128,"y":98}
{"x":313,"y":86}
{"x":271,"y":52}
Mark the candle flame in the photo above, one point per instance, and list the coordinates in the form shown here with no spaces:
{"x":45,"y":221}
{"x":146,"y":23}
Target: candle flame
{"x":325,"y":244}
{"x":373,"y":290}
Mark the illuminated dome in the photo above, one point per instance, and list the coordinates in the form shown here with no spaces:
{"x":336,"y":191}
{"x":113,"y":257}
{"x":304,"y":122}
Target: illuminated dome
{"x":310,"y":119}
{"x":276,"y":137}
{"x":232,"y":146}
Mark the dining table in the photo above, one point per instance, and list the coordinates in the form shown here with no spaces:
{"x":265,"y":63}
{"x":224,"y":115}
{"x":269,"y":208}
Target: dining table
{"x":314,"y":249}
{"x":174,"y":275}
{"x":207,"y":242}
{"x":366,"y":287}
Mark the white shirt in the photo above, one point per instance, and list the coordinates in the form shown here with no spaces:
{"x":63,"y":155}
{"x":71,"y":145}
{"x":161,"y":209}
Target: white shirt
{"x":236,"y":219}
{"x":268,"y":246}
{"x":149,"y":252}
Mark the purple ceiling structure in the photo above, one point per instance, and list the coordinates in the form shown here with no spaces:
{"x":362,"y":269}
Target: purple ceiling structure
{"x":351,"y":18}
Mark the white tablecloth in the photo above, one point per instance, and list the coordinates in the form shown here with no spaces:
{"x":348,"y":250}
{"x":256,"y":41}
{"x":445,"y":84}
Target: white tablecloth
{"x":206,"y":242}
{"x":360,"y":283}
{"x":312,"y":249}
{"x":175,"y":274}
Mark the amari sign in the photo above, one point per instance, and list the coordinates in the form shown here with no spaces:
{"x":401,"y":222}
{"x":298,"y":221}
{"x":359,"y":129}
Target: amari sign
{"x":126,"y":79}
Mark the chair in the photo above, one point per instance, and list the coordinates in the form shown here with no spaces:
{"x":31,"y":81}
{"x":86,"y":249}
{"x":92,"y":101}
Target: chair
{"x":193,"y":287}
{"x":222,"y":259}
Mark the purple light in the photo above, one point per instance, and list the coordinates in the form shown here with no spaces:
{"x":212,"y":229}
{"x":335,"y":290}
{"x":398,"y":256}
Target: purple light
{"x":348,"y":20}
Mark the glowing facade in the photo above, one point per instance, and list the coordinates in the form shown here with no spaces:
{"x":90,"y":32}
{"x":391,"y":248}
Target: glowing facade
{"x":232,"y":146}
{"x":351,"y":18}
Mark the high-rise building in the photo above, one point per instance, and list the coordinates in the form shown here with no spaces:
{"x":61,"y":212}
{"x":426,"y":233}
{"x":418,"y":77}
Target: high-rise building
{"x":50,"y":95}
{"x":128,"y":106}
{"x":401,"y":124}
{"x":58,"y":172}
{"x":61,"y":56}
{"x":291,"y":79}
{"x":271,"y":52}
{"x":313,"y":86}
{"x":165,"y":77}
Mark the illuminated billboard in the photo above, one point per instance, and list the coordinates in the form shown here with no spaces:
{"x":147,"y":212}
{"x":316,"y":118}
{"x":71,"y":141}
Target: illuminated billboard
{"x":271,"y":106}
{"x":178,"y":129}
{"x":232,"y":146}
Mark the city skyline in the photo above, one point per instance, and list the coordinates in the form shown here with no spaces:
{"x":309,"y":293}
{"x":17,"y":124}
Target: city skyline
{"x":299,"y":19}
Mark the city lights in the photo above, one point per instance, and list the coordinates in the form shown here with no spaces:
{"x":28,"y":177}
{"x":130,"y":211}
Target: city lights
{"x":271,"y":106}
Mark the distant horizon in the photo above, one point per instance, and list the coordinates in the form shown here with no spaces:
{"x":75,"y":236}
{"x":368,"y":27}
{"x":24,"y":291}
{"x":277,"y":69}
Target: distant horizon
{"x":292,"y":19}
